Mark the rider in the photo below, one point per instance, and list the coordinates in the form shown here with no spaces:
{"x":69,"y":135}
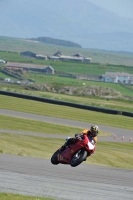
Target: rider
{"x":91,"y":133}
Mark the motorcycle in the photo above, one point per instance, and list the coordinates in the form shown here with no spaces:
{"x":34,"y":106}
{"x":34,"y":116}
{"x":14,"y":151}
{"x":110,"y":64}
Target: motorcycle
{"x":75,"y":153}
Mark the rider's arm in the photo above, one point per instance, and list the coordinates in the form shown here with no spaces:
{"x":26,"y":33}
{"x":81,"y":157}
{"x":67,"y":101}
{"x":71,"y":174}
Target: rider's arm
{"x":95,"y":139}
{"x":85,"y":131}
{"x":81,"y":134}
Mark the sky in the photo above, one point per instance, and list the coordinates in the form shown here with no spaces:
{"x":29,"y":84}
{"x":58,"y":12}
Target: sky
{"x":123,"y":8}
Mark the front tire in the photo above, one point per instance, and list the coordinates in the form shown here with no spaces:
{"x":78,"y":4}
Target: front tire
{"x":54,"y":158}
{"x":78,"y":158}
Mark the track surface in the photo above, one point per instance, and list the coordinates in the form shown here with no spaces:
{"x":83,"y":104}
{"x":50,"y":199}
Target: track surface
{"x":32,"y":176}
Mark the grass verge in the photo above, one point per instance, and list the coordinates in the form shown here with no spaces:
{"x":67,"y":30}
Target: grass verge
{"x":117,"y":104}
{"x":9,"y":196}
{"x":18,"y":124}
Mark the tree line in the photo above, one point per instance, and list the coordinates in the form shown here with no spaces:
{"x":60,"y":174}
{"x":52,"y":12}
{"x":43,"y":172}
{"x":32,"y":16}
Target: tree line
{"x":49,"y":40}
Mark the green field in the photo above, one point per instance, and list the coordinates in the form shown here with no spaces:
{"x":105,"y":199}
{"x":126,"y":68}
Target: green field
{"x":98,"y":56}
{"x":69,"y":67}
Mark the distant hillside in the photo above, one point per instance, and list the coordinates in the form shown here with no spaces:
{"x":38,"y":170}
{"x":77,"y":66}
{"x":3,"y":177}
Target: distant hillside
{"x":79,"y":21}
{"x":59,"y":42}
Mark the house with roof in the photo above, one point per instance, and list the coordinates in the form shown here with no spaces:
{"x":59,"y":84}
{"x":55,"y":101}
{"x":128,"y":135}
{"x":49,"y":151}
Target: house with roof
{"x":117,"y":77}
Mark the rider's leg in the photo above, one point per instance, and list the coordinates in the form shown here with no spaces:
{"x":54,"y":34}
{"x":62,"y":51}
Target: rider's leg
{"x":67,"y":143}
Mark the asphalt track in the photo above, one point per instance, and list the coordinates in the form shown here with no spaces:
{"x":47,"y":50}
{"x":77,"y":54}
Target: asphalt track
{"x":38,"y":177}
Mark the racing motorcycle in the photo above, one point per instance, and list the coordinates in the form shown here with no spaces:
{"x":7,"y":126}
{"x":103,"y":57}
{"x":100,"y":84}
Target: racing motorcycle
{"x":75,"y":153}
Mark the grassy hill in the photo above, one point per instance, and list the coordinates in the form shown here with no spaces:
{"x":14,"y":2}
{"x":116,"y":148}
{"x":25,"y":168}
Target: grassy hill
{"x":98,"y":56}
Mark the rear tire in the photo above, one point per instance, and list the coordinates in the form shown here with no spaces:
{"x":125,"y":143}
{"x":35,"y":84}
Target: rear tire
{"x":54,"y":158}
{"x":78,"y":158}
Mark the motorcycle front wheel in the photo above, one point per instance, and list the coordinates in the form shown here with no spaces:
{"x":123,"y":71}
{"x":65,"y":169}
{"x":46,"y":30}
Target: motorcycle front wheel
{"x":54,"y":159}
{"x":78,"y":158}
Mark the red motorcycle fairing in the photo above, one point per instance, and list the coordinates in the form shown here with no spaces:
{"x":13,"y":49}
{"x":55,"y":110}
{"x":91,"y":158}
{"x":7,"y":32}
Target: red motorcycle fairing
{"x":66,"y":156}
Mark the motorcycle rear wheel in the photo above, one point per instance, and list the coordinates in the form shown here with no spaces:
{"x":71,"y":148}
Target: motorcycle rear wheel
{"x":54,"y":159}
{"x":78,"y":157}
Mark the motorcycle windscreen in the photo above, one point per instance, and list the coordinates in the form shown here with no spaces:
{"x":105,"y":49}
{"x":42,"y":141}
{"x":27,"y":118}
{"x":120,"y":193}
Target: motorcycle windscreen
{"x":91,"y":146}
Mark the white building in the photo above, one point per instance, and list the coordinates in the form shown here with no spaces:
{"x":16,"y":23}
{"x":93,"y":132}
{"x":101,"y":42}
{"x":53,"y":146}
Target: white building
{"x":7,"y":80}
{"x":118,"y":77}
{"x":131,"y":80}
{"x":2,"y":61}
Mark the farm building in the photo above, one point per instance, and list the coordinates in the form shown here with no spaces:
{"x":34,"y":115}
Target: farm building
{"x":30,"y":67}
{"x":78,"y":55}
{"x":118,"y":77}
{"x":41,"y":57}
{"x":87,"y":60}
{"x":16,"y":69}
{"x":76,"y":58}
{"x":66,"y":58}
{"x":28,"y":54}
